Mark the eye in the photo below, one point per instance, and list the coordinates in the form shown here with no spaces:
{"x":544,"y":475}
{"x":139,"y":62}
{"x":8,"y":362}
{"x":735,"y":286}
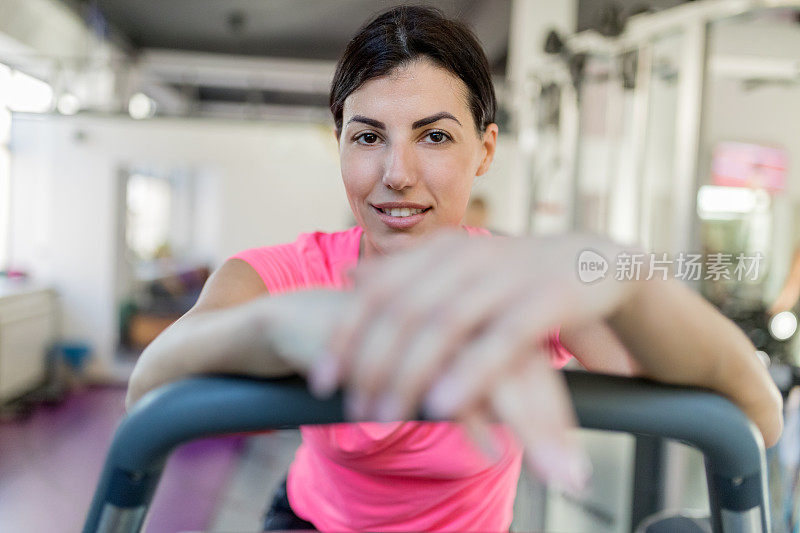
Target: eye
{"x":438,"y":137}
{"x":367,"y":138}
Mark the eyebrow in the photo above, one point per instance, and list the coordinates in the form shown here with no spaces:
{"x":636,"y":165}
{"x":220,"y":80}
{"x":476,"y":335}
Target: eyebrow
{"x":417,"y":124}
{"x":368,"y":121}
{"x":433,"y":118}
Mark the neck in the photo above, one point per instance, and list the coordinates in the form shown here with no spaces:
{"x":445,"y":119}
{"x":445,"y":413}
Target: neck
{"x":367,"y":251}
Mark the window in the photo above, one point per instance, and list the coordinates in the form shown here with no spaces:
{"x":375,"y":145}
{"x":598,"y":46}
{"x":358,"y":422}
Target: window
{"x":149,"y":213}
{"x":24,"y":93}
{"x":5,"y":175}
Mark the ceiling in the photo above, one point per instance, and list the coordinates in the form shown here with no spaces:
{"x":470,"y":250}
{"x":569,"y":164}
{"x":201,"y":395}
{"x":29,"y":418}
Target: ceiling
{"x":233,"y":54}
{"x":273,"y":53}
{"x":608,"y":17}
{"x":308,"y":29}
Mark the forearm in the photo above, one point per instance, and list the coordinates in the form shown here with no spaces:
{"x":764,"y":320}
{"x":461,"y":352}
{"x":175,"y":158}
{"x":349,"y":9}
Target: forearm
{"x":677,"y":337}
{"x":231,"y":340}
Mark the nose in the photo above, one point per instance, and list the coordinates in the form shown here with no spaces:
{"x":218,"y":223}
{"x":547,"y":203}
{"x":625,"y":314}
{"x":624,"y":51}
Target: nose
{"x":400,"y":169}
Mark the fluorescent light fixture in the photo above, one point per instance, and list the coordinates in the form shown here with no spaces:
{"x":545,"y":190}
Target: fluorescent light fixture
{"x":713,"y":201}
{"x":141,"y":106}
{"x":68,"y":104}
{"x":783,"y":325}
{"x":27,"y":94}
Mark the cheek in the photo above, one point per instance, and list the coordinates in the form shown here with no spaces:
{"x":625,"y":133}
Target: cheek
{"x":358,"y":174}
{"x":452,"y":177}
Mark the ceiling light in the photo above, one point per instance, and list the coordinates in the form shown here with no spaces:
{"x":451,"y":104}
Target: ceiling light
{"x":783,"y":325}
{"x":141,"y":106}
{"x":68,"y":104}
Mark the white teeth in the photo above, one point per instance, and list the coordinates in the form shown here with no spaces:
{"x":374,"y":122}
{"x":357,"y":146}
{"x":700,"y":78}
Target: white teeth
{"x":401,"y":212}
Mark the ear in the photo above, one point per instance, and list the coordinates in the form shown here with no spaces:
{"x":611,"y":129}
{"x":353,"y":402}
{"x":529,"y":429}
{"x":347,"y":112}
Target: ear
{"x":489,"y":144}
{"x":337,"y":134}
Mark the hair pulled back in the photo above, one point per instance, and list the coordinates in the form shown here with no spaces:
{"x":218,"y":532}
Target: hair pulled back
{"x":404,"y":34}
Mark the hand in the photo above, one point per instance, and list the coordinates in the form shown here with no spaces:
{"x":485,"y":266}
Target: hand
{"x":423,"y":321}
{"x":297,"y":326}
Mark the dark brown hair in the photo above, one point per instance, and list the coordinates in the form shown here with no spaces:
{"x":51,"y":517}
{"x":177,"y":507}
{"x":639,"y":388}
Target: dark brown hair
{"x":406,"y":33}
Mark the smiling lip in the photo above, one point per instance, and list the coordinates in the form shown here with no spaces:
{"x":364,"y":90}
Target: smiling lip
{"x":389,"y":205}
{"x":398,"y":222}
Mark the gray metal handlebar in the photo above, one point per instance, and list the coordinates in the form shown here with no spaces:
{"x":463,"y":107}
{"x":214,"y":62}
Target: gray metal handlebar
{"x":216,"y":405}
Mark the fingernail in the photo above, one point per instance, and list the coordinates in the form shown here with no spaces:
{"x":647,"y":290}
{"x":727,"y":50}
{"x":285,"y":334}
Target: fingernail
{"x":323,"y":377}
{"x":356,"y":406}
{"x":388,"y":409}
{"x":567,"y":468}
{"x":578,"y":473}
{"x":443,"y":398}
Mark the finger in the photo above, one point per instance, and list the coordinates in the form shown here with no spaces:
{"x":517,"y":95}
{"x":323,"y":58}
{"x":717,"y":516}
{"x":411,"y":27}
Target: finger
{"x":297,"y":326}
{"x":535,"y":404}
{"x":441,"y":338}
{"x":331,"y":368}
{"x":477,"y":423}
{"x":521,"y":328}
{"x":323,"y":375}
{"x":387,"y":317}
{"x":411,"y":339}
{"x":372,"y":293}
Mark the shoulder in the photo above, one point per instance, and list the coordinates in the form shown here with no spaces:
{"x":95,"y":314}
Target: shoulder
{"x":329,"y":243}
{"x":305,"y":243}
{"x":304,"y":262}
{"x":233,"y":283}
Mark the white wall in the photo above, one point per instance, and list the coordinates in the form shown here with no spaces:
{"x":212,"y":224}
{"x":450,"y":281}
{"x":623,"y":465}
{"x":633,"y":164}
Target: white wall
{"x":257,"y":184}
{"x":260,"y":184}
{"x":499,"y":187}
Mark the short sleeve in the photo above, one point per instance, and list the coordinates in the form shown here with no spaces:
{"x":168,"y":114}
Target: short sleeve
{"x":559,"y":355}
{"x":278,"y":266}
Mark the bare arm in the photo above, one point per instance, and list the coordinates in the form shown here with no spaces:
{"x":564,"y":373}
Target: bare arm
{"x":236,"y":328}
{"x":597,"y":348}
{"x":710,"y":351}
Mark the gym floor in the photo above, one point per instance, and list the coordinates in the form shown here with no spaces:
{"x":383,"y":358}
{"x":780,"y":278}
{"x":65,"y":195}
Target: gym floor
{"x":51,"y":460}
{"x":52,"y":457}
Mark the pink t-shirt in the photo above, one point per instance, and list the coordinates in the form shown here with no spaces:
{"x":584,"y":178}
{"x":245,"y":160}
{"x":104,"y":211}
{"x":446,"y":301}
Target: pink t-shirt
{"x":396,"y":476}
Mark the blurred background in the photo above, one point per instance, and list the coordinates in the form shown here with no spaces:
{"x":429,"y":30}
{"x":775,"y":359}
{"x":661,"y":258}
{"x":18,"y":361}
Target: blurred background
{"x":144,"y":142}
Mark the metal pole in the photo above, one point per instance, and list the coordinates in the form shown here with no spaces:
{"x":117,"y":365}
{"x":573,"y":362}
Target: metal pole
{"x":571,"y":135}
{"x":641,"y":112}
{"x":204,"y":406}
{"x":688,"y":122}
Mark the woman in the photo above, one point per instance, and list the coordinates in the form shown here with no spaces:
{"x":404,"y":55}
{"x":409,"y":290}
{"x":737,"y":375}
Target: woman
{"x":464,"y":326}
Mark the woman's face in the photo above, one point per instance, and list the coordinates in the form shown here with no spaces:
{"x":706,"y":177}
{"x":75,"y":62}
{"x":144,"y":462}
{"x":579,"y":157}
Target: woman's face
{"x":409,"y":153}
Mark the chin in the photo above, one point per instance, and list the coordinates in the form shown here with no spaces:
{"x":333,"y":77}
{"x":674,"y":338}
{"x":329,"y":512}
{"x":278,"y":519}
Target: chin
{"x":396,"y":242}
{"x":387,"y":242}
